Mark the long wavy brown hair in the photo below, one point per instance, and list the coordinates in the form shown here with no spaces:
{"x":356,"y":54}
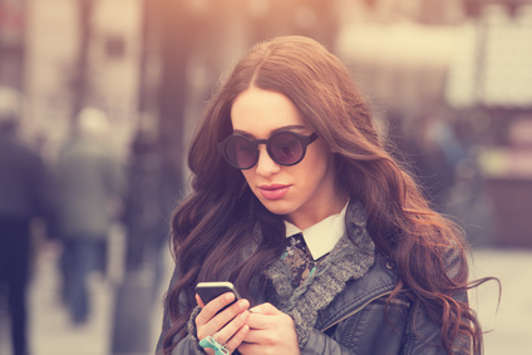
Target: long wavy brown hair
{"x":216,"y":222}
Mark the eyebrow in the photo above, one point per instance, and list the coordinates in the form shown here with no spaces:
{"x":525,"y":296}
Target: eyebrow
{"x":280,"y":129}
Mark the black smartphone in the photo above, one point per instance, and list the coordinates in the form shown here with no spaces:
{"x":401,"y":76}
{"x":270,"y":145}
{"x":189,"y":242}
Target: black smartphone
{"x":210,"y":290}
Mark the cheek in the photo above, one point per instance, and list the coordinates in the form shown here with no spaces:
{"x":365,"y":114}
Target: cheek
{"x":310,"y":172}
{"x":248,"y":175}
{"x":319,"y":167}
{"x":316,"y":161}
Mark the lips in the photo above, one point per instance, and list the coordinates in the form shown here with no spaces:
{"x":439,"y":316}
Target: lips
{"x":274,"y":191}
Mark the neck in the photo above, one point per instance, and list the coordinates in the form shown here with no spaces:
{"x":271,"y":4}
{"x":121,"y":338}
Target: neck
{"x":307,"y":218}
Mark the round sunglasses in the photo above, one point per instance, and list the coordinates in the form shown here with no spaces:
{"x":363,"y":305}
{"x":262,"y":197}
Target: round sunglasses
{"x":285,"y":148}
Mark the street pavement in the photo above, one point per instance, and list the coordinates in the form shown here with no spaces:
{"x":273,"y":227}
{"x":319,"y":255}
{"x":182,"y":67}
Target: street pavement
{"x":52,"y":333}
{"x":508,"y":324}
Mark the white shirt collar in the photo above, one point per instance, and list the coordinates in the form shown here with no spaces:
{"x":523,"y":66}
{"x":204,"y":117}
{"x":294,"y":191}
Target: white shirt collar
{"x":322,"y":236}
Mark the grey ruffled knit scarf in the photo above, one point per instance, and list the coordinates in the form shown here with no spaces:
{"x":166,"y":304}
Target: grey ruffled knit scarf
{"x":351,"y":258}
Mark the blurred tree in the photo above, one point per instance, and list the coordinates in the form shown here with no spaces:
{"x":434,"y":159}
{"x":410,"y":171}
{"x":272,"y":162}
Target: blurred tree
{"x":175,"y":42}
{"x":145,"y":31}
{"x":371,"y":3}
{"x":12,"y":42}
{"x":80,"y":84}
{"x":474,"y":8}
{"x":314,"y":18}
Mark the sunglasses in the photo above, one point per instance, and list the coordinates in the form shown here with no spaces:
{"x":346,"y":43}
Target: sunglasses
{"x":285,"y":148}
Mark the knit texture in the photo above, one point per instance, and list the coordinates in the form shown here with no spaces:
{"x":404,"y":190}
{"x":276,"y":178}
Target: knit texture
{"x":350,"y":259}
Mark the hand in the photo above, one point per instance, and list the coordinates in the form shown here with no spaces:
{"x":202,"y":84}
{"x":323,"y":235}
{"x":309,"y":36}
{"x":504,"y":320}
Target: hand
{"x":227,"y":327}
{"x":271,"y":332}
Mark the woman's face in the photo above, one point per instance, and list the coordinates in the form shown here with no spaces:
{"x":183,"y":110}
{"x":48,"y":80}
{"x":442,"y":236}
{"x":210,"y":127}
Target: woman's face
{"x":305,"y":193}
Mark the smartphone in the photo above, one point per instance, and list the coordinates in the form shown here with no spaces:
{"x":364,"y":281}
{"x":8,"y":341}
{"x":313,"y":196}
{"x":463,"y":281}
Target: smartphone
{"x":210,"y":290}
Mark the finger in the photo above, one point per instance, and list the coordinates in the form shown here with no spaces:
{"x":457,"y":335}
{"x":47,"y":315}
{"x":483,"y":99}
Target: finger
{"x":199,"y":301}
{"x":211,"y":308}
{"x":224,"y":317}
{"x":224,"y":334}
{"x":237,"y":339}
{"x":260,"y":321}
{"x":263,"y":337}
{"x":221,"y":319}
{"x":265,"y":308}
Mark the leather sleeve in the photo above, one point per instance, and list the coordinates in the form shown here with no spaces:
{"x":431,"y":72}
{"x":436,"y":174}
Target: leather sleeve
{"x":166,"y":316}
{"x":423,"y":335}
{"x":186,"y":346}
{"x":319,"y":343}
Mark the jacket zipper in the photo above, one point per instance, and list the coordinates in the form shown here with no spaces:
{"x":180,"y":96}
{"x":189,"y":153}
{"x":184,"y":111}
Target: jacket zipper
{"x":355,"y":311}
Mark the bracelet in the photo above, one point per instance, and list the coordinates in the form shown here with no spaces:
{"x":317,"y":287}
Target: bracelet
{"x":210,"y":343}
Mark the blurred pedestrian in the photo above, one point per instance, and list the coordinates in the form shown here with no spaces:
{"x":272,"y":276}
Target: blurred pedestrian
{"x":89,"y":182}
{"x":330,"y":244}
{"x":442,"y":152}
{"x":24,"y":194}
{"x":432,"y":152}
{"x":146,"y":216}
{"x":146,"y":220}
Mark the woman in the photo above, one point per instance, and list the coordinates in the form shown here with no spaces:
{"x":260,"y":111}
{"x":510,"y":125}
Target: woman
{"x":288,"y":146}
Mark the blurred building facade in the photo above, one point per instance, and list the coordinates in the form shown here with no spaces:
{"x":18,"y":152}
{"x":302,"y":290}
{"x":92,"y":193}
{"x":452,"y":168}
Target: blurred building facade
{"x":470,"y":65}
{"x":154,"y":63}
{"x":12,"y":44}
{"x":41,"y":44}
{"x":451,"y":79}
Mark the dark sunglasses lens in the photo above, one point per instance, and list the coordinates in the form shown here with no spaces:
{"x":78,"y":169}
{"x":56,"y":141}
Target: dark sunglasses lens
{"x":286,"y":149}
{"x":240,"y":152}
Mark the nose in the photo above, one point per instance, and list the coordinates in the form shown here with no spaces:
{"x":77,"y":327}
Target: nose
{"x":266,"y":166}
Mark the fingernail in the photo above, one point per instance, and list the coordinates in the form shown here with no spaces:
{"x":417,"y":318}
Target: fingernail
{"x":229,"y":296}
{"x":243,"y":303}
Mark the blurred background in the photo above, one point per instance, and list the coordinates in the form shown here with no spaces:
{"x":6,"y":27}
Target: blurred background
{"x":99,"y":100}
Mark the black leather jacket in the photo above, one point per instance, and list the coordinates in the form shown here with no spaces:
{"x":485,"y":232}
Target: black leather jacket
{"x":358,"y":320}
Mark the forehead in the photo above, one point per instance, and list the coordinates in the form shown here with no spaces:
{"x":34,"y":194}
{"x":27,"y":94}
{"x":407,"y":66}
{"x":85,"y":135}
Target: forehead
{"x":259,"y":112}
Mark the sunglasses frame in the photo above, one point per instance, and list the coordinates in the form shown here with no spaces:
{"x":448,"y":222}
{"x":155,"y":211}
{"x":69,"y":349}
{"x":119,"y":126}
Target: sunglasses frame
{"x":304,"y":140}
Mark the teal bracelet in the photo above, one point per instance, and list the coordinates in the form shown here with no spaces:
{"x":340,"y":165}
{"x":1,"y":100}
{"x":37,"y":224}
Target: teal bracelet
{"x":210,"y":343}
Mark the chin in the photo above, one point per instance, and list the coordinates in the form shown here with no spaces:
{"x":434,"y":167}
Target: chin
{"x":278,"y":207}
